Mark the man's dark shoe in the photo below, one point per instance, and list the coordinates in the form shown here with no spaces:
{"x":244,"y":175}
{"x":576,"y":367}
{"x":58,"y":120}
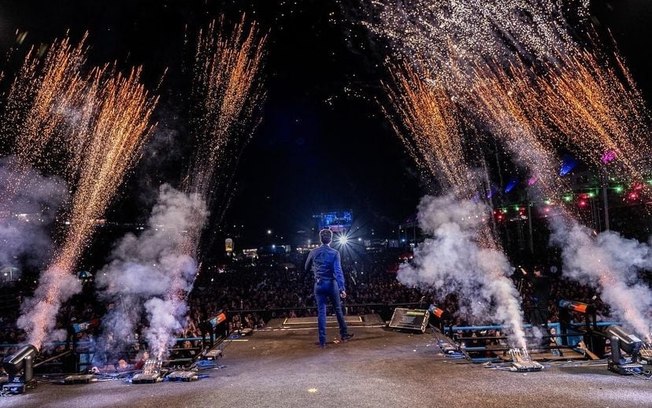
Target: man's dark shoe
{"x":347,"y":337}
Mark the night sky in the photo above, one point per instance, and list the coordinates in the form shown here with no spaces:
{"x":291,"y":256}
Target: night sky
{"x":323,"y":142}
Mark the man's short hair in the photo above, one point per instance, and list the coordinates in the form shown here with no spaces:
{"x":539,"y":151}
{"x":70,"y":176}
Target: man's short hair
{"x":326,"y":236}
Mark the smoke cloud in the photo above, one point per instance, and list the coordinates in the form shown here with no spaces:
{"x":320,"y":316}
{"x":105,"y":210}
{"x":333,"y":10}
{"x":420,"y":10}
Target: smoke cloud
{"x":27,"y":211}
{"x":609,"y":262}
{"x":452,"y":261}
{"x":152,"y":272}
{"x":29,"y":203}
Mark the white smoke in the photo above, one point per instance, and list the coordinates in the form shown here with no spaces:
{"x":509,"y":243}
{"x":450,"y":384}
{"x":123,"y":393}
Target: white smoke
{"x":609,"y":262}
{"x":28,"y":205}
{"x":452,"y":261}
{"x":39,"y":316}
{"x":152,"y":272}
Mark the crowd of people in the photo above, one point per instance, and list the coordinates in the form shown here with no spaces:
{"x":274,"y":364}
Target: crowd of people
{"x":252,"y":292}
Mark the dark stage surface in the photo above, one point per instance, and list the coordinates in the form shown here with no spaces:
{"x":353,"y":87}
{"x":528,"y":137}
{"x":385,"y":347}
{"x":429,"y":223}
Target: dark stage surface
{"x":378,"y":368}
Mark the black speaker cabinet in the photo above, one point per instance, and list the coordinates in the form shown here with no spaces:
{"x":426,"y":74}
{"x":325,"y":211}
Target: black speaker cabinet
{"x":415,"y":320}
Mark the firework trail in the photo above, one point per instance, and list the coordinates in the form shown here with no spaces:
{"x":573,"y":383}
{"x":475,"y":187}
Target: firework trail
{"x":588,"y":98}
{"x":436,"y":130}
{"x":606,"y":261}
{"x":225,"y":82}
{"x":44,"y":89}
{"x":577,"y":102}
{"x":498,"y":104}
{"x":597,"y":109}
{"x":117,"y":111}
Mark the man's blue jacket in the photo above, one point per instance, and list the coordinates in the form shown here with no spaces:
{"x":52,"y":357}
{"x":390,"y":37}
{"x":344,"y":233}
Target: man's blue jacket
{"x":325,"y":264}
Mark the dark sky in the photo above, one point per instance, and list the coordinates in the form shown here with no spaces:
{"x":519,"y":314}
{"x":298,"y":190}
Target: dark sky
{"x":323,"y":142}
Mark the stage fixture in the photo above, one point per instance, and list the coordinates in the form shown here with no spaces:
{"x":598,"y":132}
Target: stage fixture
{"x":621,"y":341}
{"x":19,"y":368}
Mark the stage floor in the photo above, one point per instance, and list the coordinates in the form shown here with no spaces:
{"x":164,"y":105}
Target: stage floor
{"x":282,"y":367}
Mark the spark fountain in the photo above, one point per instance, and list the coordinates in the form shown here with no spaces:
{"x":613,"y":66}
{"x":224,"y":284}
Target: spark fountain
{"x":118,"y":114}
{"x":607,"y":260}
{"x":462,"y":255}
{"x":225,"y":85}
{"x":44,"y":89}
{"x":225,"y":82}
{"x":551,"y":91}
{"x":145,"y":269}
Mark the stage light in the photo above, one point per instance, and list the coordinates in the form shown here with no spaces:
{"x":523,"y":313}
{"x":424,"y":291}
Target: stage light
{"x":511,"y":185}
{"x":344,"y":240}
{"x":19,"y":368}
{"x":630,"y":344}
{"x":576,"y":306}
{"x":569,"y":163}
{"x":436,"y":311}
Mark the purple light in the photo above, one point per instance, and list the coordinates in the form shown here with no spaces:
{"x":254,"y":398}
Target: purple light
{"x":491,"y":191}
{"x":532,"y":181}
{"x":608,"y":157}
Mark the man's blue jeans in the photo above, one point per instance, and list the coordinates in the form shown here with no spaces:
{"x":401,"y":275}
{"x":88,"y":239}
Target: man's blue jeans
{"x":326,"y":289}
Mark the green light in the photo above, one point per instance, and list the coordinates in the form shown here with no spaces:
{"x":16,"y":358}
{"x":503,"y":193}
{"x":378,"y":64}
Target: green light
{"x":517,"y":207}
{"x":618,"y":189}
{"x":591,"y":194}
{"x":547,"y":201}
{"x":568,"y":198}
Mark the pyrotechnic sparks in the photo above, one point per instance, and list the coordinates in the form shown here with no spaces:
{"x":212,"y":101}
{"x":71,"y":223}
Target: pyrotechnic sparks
{"x":595,"y":111}
{"x":227,"y":92}
{"x":521,"y":126}
{"x":120,"y":112}
{"x":469,"y":259}
{"x":472,"y":31}
{"x":117,"y":110}
{"x":226,"y":85}
{"x":597,"y":108}
{"x":43,"y":91}
{"x":436,"y":129}
{"x":593,"y":108}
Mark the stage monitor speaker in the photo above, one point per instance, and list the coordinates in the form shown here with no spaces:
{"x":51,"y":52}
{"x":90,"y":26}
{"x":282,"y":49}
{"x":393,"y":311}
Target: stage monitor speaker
{"x":409,"y":319}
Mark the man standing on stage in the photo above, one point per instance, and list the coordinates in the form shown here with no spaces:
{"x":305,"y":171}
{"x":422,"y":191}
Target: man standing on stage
{"x":329,"y":284}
